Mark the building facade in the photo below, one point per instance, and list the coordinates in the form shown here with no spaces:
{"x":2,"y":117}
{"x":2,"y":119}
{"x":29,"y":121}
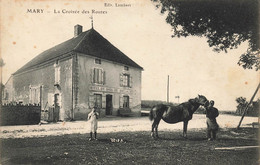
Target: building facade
{"x":85,"y":69}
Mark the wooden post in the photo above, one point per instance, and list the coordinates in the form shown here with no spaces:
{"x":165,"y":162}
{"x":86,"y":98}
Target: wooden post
{"x":245,"y":110}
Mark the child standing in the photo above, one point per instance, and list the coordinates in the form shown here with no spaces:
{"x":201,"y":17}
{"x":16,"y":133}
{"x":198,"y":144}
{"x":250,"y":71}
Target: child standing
{"x":212,"y":125}
{"x":93,"y":116}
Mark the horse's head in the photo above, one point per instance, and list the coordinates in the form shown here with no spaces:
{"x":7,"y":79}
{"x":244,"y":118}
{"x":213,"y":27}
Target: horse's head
{"x":202,"y":100}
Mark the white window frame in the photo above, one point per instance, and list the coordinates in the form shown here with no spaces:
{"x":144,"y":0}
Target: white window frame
{"x":126,"y":80}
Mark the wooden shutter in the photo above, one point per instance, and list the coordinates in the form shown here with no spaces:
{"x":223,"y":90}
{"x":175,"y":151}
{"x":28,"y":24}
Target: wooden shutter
{"x":130,"y":102}
{"x":121,"y":77}
{"x":58,"y":74}
{"x":92,"y":75}
{"x":130,"y":81}
{"x":50,"y":99}
{"x":104,"y":77}
{"x":121,"y":101}
{"x":103,"y":101}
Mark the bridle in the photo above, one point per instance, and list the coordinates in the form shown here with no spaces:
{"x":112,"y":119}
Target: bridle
{"x":205,"y":103}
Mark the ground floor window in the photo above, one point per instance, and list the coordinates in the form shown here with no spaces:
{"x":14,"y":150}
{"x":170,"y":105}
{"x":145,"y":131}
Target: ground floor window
{"x":126,"y":102}
{"x":98,"y":100}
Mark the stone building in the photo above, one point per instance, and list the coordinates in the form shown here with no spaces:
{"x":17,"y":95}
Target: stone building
{"x":82,"y":70}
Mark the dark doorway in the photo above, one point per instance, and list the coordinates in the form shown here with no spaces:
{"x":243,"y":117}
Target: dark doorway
{"x":109,"y":105}
{"x":56,"y":112}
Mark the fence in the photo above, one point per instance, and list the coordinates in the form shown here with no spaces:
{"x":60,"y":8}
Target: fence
{"x":20,"y":114}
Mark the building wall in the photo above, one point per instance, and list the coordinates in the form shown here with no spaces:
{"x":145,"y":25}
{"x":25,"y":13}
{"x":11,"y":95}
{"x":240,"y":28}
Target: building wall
{"x":111,"y":86}
{"x":8,"y":91}
{"x":76,"y":89}
{"x":42,"y":80}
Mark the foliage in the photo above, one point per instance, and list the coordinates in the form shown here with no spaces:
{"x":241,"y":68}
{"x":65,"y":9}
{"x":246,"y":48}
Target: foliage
{"x":1,"y":62}
{"x":225,"y":24}
{"x":252,"y":108}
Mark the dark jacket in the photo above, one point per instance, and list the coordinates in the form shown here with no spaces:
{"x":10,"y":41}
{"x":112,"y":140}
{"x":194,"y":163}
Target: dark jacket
{"x":211,"y":112}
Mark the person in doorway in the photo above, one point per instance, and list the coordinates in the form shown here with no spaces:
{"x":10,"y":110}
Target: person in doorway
{"x":212,"y":125}
{"x":93,"y":117}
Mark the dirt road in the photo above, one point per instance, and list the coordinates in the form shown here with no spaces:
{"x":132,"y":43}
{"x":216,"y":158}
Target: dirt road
{"x":115,"y":124}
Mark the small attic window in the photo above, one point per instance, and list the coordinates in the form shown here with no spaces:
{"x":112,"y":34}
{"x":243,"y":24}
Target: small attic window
{"x":97,"y":61}
{"x":126,"y":68}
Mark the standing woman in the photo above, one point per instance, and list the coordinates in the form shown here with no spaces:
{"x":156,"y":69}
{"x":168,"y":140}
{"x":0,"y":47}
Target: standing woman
{"x":93,"y":117}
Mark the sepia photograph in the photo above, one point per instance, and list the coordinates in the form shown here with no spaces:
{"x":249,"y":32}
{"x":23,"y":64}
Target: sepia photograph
{"x":129,"y":82}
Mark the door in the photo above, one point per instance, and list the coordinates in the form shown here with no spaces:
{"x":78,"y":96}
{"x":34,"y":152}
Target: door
{"x":56,"y":112}
{"x":109,"y":105}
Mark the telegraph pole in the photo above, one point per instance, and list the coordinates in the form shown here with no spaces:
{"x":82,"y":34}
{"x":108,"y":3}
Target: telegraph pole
{"x":1,"y":86}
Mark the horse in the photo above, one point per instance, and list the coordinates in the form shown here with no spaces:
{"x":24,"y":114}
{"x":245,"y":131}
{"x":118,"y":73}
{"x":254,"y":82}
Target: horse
{"x":174,"y":114}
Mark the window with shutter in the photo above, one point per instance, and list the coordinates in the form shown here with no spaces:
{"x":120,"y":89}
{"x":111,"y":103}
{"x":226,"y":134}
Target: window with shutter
{"x":98,"y":76}
{"x":34,"y":95}
{"x":57,"y":75}
{"x":98,"y":100}
{"x":125,"y":80}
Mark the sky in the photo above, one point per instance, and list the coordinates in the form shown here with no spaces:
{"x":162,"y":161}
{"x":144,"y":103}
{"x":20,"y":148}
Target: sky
{"x":140,"y":32}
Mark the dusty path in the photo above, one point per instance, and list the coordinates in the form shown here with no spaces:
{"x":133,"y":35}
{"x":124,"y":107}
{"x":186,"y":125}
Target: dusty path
{"x":115,"y":124}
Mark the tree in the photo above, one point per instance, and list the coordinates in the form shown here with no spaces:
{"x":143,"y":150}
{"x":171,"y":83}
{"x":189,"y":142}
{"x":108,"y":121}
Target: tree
{"x":241,"y":101}
{"x":252,"y":109}
{"x":225,"y":24}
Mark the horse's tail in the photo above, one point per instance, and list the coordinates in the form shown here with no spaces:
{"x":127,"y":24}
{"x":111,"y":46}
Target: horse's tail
{"x":151,"y":114}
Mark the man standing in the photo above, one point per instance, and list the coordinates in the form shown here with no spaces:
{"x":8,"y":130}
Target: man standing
{"x":212,"y":125}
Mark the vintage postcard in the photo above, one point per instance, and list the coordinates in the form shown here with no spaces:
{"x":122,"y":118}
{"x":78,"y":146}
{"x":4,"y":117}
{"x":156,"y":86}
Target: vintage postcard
{"x":129,"y":82}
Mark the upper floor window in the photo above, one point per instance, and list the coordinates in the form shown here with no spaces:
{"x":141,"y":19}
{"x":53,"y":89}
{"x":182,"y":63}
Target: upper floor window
{"x":126,"y":68}
{"x":57,"y":73}
{"x":98,"y":76}
{"x":97,"y":61}
{"x":125,"y":80}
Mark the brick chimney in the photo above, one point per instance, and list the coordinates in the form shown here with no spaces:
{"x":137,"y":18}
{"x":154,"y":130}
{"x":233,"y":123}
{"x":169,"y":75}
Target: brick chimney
{"x":77,"y":30}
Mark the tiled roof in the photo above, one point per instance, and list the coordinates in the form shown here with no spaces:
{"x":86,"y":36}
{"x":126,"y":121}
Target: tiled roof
{"x":90,"y":43}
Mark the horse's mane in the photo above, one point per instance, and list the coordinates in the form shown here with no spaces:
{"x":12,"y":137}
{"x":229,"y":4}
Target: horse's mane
{"x":192,"y":101}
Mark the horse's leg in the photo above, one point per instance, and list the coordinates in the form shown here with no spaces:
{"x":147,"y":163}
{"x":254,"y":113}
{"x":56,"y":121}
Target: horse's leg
{"x":185,"y":125}
{"x":153,"y":126}
{"x":156,"y":128}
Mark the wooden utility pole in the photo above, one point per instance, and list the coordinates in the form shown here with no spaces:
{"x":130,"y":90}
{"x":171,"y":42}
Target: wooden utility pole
{"x":178,"y":97}
{"x":246,"y":108}
{"x":168,"y":90}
